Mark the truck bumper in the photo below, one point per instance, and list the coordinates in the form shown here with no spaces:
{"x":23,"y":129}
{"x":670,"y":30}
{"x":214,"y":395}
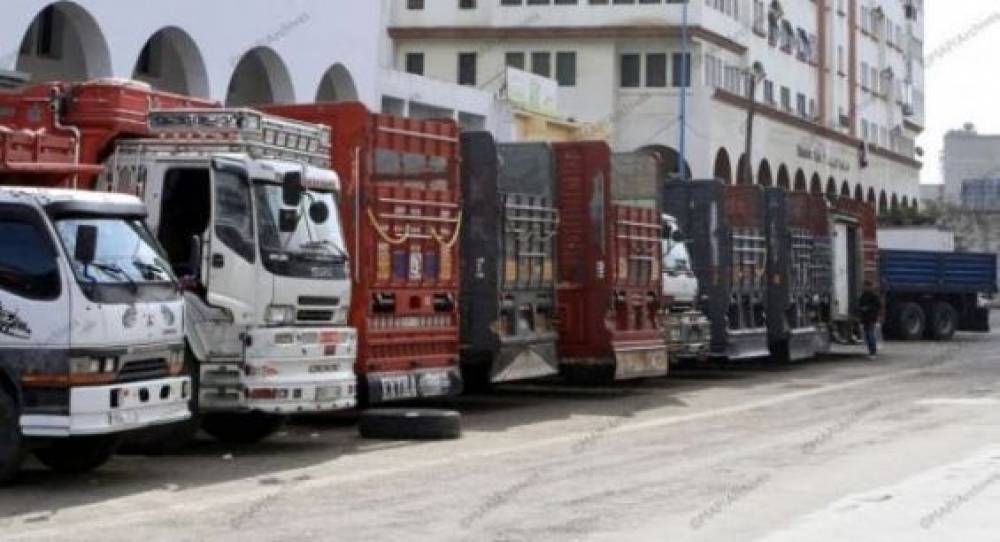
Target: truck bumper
{"x":747,"y":344}
{"x":104,"y":410}
{"x":286,"y":371}
{"x":523,"y":360}
{"x":416,"y":384}
{"x":805,"y":343}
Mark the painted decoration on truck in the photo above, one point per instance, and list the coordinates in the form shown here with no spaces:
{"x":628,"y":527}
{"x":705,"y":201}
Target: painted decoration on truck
{"x":12,"y":325}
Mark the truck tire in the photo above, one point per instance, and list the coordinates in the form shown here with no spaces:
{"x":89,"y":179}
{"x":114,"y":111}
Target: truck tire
{"x":588,"y":375}
{"x":11,"y":441}
{"x":944,"y":321}
{"x":170,"y":439}
{"x":76,"y":455}
{"x":410,"y":424}
{"x":242,"y":428}
{"x":780,"y":353}
{"x":910,"y":321}
{"x":476,"y":378}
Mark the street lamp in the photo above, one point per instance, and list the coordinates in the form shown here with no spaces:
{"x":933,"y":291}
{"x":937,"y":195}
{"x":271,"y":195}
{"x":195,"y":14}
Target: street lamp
{"x":755,"y":74}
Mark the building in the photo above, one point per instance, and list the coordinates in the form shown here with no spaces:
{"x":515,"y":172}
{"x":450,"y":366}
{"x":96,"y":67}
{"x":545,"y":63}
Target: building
{"x":981,"y":194}
{"x":968,"y":155}
{"x":240,"y":52}
{"x":839,"y":102}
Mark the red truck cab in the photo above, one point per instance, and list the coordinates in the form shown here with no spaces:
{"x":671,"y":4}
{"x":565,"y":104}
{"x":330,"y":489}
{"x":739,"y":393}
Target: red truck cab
{"x":402,"y":215}
{"x":609,"y":273}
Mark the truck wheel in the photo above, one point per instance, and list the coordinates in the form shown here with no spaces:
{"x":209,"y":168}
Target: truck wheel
{"x":75,"y":455}
{"x":911,"y":321}
{"x":588,"y":375}
{"x":11,"y":449}
{"x":242,"y":428}
{"x":410,"y":424}
{"x":476,"y":378}
{"x":780,"y":353}
{"x":944,"y":321}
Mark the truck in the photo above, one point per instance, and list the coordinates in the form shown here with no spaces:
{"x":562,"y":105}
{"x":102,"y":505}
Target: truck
{"x":91,"y":317}
{"x":636,"y":177}
{"x":725,"y":225}
{"x":508,"y":294}
{"x":853,"y":262}
{"x":609,"y":282}
{"x":931,"y":294}
{"x":245,"y":207}
{"x":402,"y":209}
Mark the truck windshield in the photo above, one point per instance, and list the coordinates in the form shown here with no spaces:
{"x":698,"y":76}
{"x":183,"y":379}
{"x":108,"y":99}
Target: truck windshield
{"x":675,"y":257}
{"x":126,"y":252}
{"x":313,"y":250}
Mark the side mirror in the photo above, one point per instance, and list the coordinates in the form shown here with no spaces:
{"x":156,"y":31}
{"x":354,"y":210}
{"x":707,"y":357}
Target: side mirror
{"x":288,"y":220}
{"x":86,"y":244}
{"x":292,"y":189}
{"x":319,"y":213}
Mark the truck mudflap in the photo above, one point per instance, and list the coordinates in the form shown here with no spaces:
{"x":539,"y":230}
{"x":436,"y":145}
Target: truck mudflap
{"x":520,"y":360}
{"x":416,"y":384}
{"x":116,"y":408}
{"x":807,"y":342}
{"x":640,"y":359}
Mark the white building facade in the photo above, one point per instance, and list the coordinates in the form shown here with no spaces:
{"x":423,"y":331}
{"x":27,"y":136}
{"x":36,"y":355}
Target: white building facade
{"x":837,"y":110}
{"x":239,"y":52}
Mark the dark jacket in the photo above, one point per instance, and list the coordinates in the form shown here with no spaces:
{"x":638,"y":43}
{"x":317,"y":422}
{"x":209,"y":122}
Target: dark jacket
{"x":869,"y":307}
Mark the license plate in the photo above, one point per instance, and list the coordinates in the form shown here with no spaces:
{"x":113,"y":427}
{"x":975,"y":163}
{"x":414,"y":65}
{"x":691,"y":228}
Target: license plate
{"x":328,"y":393}
{"x":123,"y":418}
{"x":398,"y":387}
{"x":433,"y":384}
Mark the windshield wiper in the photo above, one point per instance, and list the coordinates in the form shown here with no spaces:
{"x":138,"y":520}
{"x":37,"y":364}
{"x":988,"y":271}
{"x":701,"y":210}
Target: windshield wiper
{"x":324,"y":243}
{"x":112,"y":270}
{"x":151,"y":269}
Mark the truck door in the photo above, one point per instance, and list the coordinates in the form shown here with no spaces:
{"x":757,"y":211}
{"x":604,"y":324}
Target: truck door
{"x":34,"y":297}
{"x":841,"y":271}
{"x":232,"y":252}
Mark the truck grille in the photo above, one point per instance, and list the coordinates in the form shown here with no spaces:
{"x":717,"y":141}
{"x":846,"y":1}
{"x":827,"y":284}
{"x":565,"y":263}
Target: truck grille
{"x":142,"y":369}
{"x":314,"y":316}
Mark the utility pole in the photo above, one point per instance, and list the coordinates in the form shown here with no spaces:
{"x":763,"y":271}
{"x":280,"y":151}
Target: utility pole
{"x":754,"y":76}
{"x":685,"y":68}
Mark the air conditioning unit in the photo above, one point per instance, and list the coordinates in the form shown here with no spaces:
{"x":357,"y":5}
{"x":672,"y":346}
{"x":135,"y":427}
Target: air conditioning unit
{"x":845,"y":121}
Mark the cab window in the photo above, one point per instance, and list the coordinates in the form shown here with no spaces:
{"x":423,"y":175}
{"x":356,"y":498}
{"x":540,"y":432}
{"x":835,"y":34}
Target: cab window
{"x":28,"y":266}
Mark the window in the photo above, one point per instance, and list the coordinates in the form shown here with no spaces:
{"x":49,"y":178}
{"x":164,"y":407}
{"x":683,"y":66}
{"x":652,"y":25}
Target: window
{"x":566,"y":68}
{"x":786,"y":98}
{"x":234,"y":212}
{"x":769,"y":92}
{"x":467,"y":69}
{"x":800,"y":104}
{"x":681,"y":69}
{"x":27,"y":259}
{"x":631,"y":70}
{"x":656,"y":70}
{"x":467,"y":4}
{"x":415,"y":63}
{"x":864,"y":75}
{"x":514,"y":59}
{"x":541,"y":63}
{"x":510,"y":2}
{"x":414,"y":4}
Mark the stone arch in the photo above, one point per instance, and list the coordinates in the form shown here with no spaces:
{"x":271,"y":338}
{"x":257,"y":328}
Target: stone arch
{"x":916,"y":205}
{"x":872,"y":198}
{"x":744,"y":172}
{"x":800,"y":181}
{"x":723,"y":169}
{"x":764,"y":177}
{"x":816,"y":185}
{"x":905,"y":202}
{"x":171,"y":61}
{"x":894,"y":202}
{"x":883,"y":203}
{"x":783,"y":180}
{"x":64,"y":42}
{"x":859,"y":193}
{"x":668,"y":160}
{"x":831,"y":187}
{"x":260,"y":77}
{"x":845,"y":189}
{"x":337,"y":85}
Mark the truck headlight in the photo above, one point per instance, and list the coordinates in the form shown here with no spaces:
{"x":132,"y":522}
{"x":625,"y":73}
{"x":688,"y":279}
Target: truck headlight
{"x":93,"y":366}
{"x":175,"y":362}
{"x":279,"y":314}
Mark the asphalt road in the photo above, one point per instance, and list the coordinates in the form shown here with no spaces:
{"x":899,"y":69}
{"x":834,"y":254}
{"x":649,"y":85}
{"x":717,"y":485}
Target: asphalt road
{"x":905,"y":447}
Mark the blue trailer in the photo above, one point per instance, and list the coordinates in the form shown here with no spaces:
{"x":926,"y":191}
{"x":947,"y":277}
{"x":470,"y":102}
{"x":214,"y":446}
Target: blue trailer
{"x":934,"y":294}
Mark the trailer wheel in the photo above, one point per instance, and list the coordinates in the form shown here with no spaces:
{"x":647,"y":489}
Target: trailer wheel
{"x":242,"y":428}
{"x":76,"y":455}
{"x":911,"y":321}
{"x":410,"y":424}
{"x":780,"y":352}
{"x":944,"y":321}
{"x":11,"y":441}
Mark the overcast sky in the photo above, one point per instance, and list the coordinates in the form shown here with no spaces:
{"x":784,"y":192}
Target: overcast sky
{"x":963,"y":75}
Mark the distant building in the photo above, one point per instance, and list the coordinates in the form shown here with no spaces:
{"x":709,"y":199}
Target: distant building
{"x":839,"y":105}
{"x":981,"y":194}
{"x":968,"y":155}
{"x":932,"y":193}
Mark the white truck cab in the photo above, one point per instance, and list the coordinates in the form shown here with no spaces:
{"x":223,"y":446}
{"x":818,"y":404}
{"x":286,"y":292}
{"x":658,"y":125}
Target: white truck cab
{"x":246,"y":207}
{"x":91,"y":327}
{"x":688,"y":330}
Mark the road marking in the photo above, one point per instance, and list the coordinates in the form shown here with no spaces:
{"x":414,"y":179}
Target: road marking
{"x":162,"y":505}
{"x":959,"y":401}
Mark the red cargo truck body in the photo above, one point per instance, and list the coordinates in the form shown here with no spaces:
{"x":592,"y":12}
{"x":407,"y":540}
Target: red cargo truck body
{"x":609,"y":273}
{"x":39,"y":159}
{"x":99,"y":113}
{"x":402,"y":216}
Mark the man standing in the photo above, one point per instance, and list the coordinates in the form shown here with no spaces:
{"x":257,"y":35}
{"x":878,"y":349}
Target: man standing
{"x":869,"y":309}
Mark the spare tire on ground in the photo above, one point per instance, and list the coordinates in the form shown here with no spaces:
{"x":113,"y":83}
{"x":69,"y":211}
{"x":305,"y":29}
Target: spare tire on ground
{"x":410,"y":424}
